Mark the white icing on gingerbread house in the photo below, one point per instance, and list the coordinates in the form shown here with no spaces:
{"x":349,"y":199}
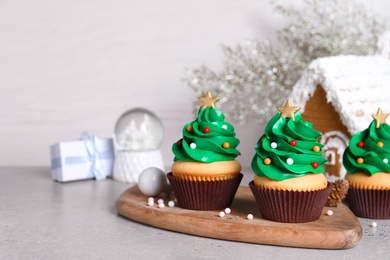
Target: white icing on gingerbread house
{"x":339,"y":95}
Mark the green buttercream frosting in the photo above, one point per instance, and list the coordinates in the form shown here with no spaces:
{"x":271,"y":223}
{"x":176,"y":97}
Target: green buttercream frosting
{"x":285,"y":139}
{"x":367,"y":146}
{"x":207,"y":146}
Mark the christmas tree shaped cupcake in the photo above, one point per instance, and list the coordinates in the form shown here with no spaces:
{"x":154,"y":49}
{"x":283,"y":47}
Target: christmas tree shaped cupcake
{"x":289,"y":185}
{"x":205,"y":174}
{"x":366,"y":160}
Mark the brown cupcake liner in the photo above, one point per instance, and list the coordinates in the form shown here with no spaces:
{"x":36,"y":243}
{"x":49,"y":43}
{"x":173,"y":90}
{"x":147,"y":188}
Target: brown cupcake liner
{"x":204,"y":195}
{"x":365,"y":203}
{"x":290,"y":206}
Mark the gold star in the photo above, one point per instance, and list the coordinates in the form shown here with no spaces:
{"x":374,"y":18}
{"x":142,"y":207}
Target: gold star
{"x":207,"y":100}
{"x":288,"y":110}
{"x":380,"y":118}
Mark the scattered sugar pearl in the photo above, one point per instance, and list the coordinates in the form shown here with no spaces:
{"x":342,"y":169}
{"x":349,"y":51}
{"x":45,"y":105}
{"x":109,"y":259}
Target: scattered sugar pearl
{"x":374,"y":224}
{"x":385,"y":160}
{"x":150,"y":202}
{"x":249,"y":216}
{"x":192,"y":145}
{"x":221,"y":214}
{"x":161,"y":205}
{"x":329,"y":213}
{"x":171,"y":203}
{"x":228,"y":210}
{"x":151,"y":199}
{"x":160,"y":201}
{"x":274,"y":145}
{"x":224,"y":126}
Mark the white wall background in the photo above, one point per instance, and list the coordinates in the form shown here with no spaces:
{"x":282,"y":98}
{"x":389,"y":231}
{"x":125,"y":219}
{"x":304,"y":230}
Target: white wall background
{"x":77,"y":65}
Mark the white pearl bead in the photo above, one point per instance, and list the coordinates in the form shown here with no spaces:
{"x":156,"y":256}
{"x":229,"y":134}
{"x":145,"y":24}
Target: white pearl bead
{"x":224,"y":126}
{"x":290,"y":161}
{"x":385,"y":160}
{"x":374,"y":224}
{"x":249,"y":216}
{"x":221,"y":214}
{"x":161,"y":205}
{"x":329,"y":213}
{"x":151,"y":199}
{"x":274,"y":145}
{"x":159,"y":201}
{"x":192,"y":145}
{"x":228,"y":210}
{"x":171,"y":203}
{"x":150,"y":203}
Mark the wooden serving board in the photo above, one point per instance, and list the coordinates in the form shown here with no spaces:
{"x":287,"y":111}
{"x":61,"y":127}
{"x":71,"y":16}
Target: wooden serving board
{"x":341,"y":230}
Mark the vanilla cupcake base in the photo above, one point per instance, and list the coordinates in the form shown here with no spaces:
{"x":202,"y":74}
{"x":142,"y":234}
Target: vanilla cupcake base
{"x":200,"y":171}
{"x":204,"y":195}
{"x":369,"y":195}
{"x":290,"y":206}
{"x":310,"y":182}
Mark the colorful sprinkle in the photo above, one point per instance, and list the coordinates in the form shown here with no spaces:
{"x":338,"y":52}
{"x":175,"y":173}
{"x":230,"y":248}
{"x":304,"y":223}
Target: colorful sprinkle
{"x":360,"y":144}
{"x":267,"y":161}
{"x":206,"y":130}
{"x":290,"y":161}
{"x":179,"y":143}
{"x":226,"y":145}
{"x":274,"y":145}
{"x":316,"y":148}
{"x":224,"y":126}
{"x":359,"y":160}
{"x":380,"y":144}
{"x":314,"y":165}
{"x":192,"y":145}
{"x":249,"y":216}
{"x":189,"y":128}
{"x":293,"y":142}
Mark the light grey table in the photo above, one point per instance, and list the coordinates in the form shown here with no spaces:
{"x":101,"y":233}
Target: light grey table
{"x":44,"y":219}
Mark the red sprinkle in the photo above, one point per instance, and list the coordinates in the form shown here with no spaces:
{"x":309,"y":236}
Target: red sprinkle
{"x":293,"y":143}
{"x":314,"y":165}
{"x":179,"y":143}
{"x":360,"y":144}
{"x":206,"y":130}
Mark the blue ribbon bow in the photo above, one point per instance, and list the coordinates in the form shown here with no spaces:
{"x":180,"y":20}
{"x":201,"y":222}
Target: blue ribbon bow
{"x":93,"y":157}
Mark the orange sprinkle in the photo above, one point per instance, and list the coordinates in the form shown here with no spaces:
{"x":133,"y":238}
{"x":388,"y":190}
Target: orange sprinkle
{"x":316,"y":148}
{"x":189,"y":128}
{"x":359,"y":160}
{"x":380,"y":144}
{"x":267,"y":161}
{"x":226,"y":145}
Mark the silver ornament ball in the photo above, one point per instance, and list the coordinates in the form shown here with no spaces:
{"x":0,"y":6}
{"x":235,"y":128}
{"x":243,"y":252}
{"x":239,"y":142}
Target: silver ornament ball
{"x":153,"y":181}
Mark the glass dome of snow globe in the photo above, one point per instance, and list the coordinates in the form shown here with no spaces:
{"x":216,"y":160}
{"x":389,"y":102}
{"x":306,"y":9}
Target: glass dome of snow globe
{"x":138,"y":130}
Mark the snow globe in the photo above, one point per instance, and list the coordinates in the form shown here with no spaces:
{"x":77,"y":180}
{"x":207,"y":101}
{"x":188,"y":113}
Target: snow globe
{"x":137,"y":138}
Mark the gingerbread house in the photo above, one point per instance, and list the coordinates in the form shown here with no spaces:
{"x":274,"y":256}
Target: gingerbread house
{"x":339,"y":95}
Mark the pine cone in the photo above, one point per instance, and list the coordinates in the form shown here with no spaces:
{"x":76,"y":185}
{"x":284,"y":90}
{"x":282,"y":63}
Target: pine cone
{"x":338,"y":193}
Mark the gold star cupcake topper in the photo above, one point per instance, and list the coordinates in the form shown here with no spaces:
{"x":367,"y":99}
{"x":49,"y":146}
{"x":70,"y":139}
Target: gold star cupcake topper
{"x":288,"y":110}
{"x":207,"y":100}
{"x":380,"y":118}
